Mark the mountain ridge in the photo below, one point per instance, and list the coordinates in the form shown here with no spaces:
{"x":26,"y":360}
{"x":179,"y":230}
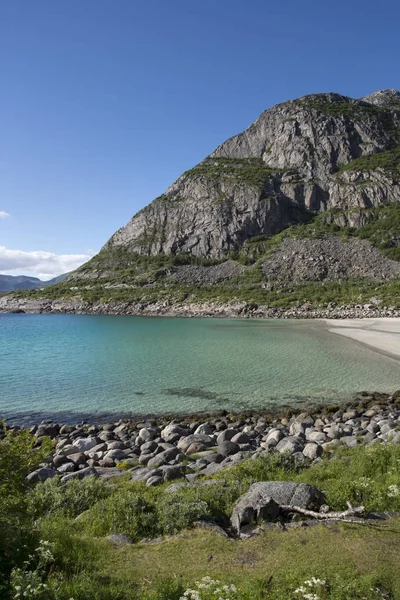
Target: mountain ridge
{"x":10,"y":283}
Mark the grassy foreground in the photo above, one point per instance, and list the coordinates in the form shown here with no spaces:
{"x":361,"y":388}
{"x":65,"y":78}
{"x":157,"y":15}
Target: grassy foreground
{"x":46,"y":552}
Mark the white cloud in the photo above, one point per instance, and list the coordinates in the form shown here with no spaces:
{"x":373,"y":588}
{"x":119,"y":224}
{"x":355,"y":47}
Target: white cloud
{"x":44,"y":265}
{"x":4,"y":214}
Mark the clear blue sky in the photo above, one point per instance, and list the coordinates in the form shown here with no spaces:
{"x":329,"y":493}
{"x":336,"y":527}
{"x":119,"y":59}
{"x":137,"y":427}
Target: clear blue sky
{"x":104,"y":103}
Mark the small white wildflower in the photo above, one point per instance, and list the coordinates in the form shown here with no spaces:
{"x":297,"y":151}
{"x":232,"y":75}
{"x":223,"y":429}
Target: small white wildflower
{"x":393,"y":491}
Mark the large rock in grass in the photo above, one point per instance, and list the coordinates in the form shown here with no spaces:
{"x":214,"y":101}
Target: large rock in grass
{"x":262,"y":501}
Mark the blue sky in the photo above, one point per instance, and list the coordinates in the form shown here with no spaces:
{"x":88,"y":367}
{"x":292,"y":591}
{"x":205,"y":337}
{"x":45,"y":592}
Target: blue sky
{"x":103,"y":104}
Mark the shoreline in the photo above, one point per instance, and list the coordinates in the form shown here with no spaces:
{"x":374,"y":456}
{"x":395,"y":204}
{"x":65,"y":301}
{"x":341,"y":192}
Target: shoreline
{"x":271,"y":413}
{"x":155,"y":451}
{"x":234,"y":309}
{"x":380,"y":334}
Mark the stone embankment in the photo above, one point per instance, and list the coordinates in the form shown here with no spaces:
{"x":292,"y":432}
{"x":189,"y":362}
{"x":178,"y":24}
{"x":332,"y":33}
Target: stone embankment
{"x":8,"y":304}
{"x":155,"y":451}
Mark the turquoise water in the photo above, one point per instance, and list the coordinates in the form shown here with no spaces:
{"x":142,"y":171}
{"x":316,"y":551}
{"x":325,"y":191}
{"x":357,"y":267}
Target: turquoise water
{"x":69,"y":367}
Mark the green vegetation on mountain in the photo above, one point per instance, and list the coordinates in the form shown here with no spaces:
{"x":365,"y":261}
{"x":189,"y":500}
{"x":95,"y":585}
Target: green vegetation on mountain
{"x":389,"y":160}
{"x":335,"y":105}
{"x":117,"y":275}
{"x":249,"y":171}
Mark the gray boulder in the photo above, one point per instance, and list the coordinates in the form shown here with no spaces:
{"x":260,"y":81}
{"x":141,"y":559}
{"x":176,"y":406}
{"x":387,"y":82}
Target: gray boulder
{"x":173,"y":432}
{"x":290,"y":444}
{"x":204,"y":428}
{"x":85,"y":444}
{"x":68,"y":467}
{"x":41,"y":475}
{"x":227,"y":448}
{"x":241,"y":438}
{"x":262,"y":501}
{"x":164,"y":457}
{"x":88,"y":472}
{"x":227,"y":435}
{"x":312,"y":450}
{"x":196,"y":440}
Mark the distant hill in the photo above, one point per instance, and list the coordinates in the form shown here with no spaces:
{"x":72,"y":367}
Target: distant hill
{"x":10,"y":283}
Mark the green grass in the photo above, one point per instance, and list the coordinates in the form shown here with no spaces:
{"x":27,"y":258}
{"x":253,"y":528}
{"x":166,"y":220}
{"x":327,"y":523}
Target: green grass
{"x":347,"y":107}
{"x":388,"y":160}
{"x":248,"y":171}
{"x":353,"y":560}
{"x":349,"y":557}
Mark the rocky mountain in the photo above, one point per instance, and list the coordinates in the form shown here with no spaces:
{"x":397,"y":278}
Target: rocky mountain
{"x":298,"y":159}
{"x":302,"y":208}
{"x":10,"y":283}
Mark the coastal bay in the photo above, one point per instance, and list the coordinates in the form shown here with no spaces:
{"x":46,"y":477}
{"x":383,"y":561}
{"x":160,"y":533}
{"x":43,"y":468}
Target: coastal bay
{"x":74,"y":367}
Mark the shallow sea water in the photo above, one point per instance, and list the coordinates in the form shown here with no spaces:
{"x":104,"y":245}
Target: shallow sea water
{"x":70,"y":367}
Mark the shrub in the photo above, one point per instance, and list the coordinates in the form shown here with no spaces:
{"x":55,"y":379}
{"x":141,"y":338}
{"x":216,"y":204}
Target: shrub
{"x":125,"y":512}
{"x":18,"y":457}
{"x":365,"y":475}
{"x":175,"y":512}
{"x":70,"y":500}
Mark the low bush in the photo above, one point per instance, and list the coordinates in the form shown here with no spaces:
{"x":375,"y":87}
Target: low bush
{"x":69,"y":499}
{"x":125,"y":512}
{"x":18,"y":457}
{"x":367,"y":475}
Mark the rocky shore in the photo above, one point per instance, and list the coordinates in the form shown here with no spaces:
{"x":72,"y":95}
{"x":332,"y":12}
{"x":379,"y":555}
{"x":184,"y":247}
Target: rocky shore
{"x":187,"y":448}
{"x":8,"y":304}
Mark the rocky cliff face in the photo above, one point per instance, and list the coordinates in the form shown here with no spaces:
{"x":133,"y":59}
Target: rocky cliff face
{"x":298,"y":159}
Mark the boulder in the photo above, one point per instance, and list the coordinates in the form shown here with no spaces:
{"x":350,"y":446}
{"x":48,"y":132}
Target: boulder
{"x":253,"y":508}
{"x":88,"y":472}
{"x":290,"y":444}
{"x":227,"y":435}
{"x":173,"y":432}
{"x":41,"y":475}
{"x":115,"y":455}
{"x":148,"y":433}
{"x":196,"y":440}
{"x":67,"y":467}
{"x":312,"y":450}
{"x":164,"y":457}
{"x":85,"y":444}
{"x":241,"y":438}
{"x":148,"y":447}
{"x":204,"y":428}
{"x":317,"y":436}
{"x":171,"y":472}
{"x":262,"y":501}
{"x":47,"y":429}
{"x":227,"y":448}
{"x":154,"y":480}
{"x":107,"y":473}
{"x":78,"y":458}
{"x":275,"y":435}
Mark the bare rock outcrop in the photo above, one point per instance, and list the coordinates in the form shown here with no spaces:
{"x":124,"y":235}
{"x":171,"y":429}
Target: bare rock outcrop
{"x":293,"y":162}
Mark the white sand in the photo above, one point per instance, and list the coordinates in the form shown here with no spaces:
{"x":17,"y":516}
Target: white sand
{"x":381,"y":334}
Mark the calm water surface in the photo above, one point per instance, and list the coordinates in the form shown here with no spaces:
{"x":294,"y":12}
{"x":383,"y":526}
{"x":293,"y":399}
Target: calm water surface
{"x":68,"y":367}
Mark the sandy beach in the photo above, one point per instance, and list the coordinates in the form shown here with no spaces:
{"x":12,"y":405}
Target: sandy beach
{"x":381,"y":334}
